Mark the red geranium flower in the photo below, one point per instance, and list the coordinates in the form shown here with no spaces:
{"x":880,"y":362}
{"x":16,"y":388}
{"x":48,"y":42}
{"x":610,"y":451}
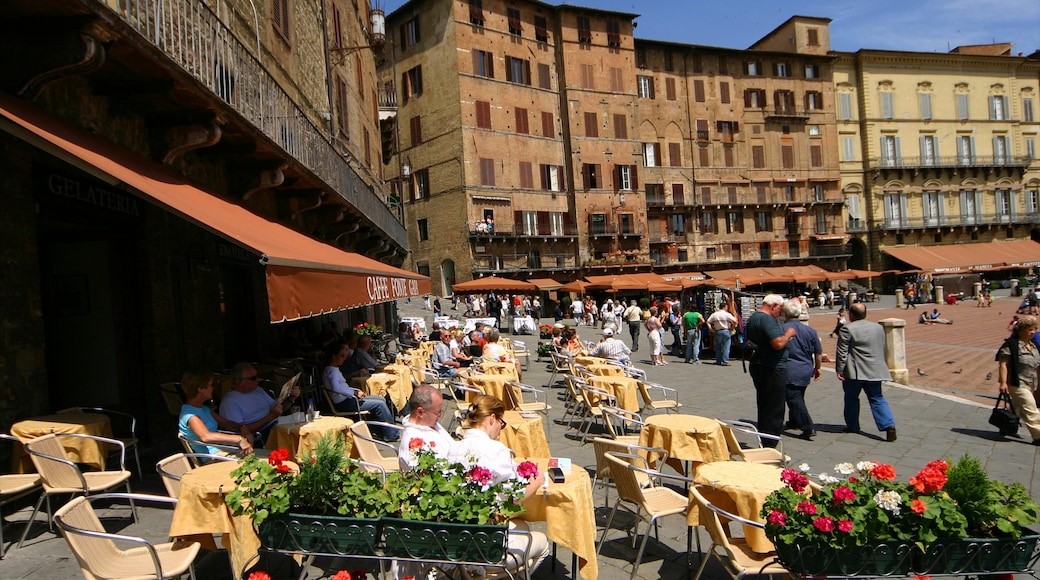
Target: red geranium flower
{"x":883,"y":471}
{"x":259,"y":576}
{"x":845,"y":526}
{"x":527,"y":470}
{"x":824,"y":524}
{"x":918,"y":506}
{"x":342,"y":575}
{"x":282,"y":468}
{"x":277,"y":456}
{"x":415,"y":443}
{"x":807,"y":507}
{"x":842,"y":493}
{"x":777,"y":518}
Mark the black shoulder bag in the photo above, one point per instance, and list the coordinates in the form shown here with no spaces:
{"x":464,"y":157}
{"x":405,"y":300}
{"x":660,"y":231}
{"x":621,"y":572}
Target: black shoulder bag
{"x":1004,"y":418}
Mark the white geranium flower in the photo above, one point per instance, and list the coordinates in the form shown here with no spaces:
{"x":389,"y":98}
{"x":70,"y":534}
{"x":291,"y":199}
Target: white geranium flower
{"x":866,"y":465}
{"x":844,"y":469}
{"x":888,"y":501}
{"x":824,"y":478}
{"x":804,"y":468}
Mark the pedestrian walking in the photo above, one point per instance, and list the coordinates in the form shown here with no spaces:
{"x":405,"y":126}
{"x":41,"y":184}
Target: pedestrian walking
{"x":768,"y":367}
{"x":722,"y":322}
{"x":1017,"y":362}
{"x":692,"y":322}
{"x":633,"y":315}
{"x":653,"y":333}
{"x":860,"y":365}
{"x":842,"y":321}
{"x":804,"y":358}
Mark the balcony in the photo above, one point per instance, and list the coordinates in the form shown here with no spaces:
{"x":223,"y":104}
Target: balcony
{"x":666,"y":237}
{"x":787,"y":113}
{"x":195,"y":39}
{"x":480,"y":232}
{"x":519,"y":263}
{"x":754,"y":198}
{"x":951,"y":161}
{"x":979,"y":219}
{"x":666,"y":201}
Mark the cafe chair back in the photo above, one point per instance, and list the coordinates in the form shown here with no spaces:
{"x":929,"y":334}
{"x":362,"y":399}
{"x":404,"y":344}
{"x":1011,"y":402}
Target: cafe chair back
{"x":15,"y":486}
{"x":732,"y":552}
{"x":627,"y":444}
{"x":372,"y":450}
{"x":643,"y":499}
{"x":630,"y":371}
{"x":526,"y":398}
{"x":592,"y":398}
{"x":100,"y":556}
{"x":561,"y":365}
{"x":124,"y":428}
{"x":521,"y":353}
{"x":198,"y":458}
{"x":62,"y":476}
{"x":573,"y":403}
{"x":457,"y":392}
{"x":744,"y":441}
{"x":358,"y":415}
{"x":657,"y":397}
{"x":173,"y":396}
{"x":620,"y":422}
{"x":171,"y":469}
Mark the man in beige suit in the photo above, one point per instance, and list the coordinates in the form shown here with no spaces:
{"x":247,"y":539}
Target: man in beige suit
{"x":861,"y":366}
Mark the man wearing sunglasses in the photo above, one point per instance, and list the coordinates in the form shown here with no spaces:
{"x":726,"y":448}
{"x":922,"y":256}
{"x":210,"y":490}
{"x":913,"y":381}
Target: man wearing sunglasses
{"x":249,"y":405}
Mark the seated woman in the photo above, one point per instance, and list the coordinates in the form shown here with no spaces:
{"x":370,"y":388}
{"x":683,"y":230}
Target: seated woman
{"x":570,"y":342}
{"x":405,"y":338}
{"x":348,"y":399}
{"x":494,"y":352}
{"x":199,"y":423}
{"x":458,"y":351}
{"x":480,"y":446}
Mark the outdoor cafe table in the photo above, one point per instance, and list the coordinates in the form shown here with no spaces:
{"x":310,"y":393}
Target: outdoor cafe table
{"x":606,"y":370}
{"x":741,"y":488}
{"x":687,"y":438}
{"x":626,"y":389}
{"x":79,"y":450}
{"x":201,"y":512}
{"x":494,"y":385}
{"x":399,"y":387}
{"x":300,"y":438}
{"x":507,"y":369}
{"x":590,"y":360}
{"x":569,"y":514}
{"x":525,"y":435}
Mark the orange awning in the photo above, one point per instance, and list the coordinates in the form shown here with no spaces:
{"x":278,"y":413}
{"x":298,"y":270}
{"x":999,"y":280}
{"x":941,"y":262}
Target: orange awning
{"x":305,"y":277}
{"x":546,"y":284}
{"x":966,"y":258}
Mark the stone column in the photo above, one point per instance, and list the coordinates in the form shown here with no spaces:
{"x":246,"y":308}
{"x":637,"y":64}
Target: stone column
{"x":895,"y":349}
{"x":852,"y":298}
{"x":939,"y":294}
{"x":900,"y":299}
{"x":977,"y":287}
{"x":1014,"y":285}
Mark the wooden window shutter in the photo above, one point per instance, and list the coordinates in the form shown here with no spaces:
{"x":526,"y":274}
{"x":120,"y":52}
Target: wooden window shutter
{"x":787,"y":154}
{"x":544,"y":227}
{"x":816,"y":155}
{"x":634,"y":176}
{"x":416,"y":126}
{"x":518,"y":222}
{"x":724,"y":92}
{"x":698,"y":91}
{"x":704,"y":157}
{"x":758,"y":156}
{"x":675,"y":154}
{"x":615,"y":174}
{"x":591,"y":127}
{"x":657,"y":154}
{"x":747,"y":98}
{"x":547,"y":124}
{"x":669,"y":89}
{"x":585,"y":176}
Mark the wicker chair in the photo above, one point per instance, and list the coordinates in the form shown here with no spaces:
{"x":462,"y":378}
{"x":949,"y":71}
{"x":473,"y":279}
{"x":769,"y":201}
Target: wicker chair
{"x":14,"y":486}
{"x":372,"y":450}
{"x":752,"y":449}
{"x":172,"y":468}
{"x":735,"y":555}
{"x":668,"y":399}
{"x":124,"y":428}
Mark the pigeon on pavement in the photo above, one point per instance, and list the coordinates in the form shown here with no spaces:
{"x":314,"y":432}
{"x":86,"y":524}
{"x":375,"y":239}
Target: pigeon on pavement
{"x":989,"y":376}
{"x":958,"y":371}
{"x":922,"y":373}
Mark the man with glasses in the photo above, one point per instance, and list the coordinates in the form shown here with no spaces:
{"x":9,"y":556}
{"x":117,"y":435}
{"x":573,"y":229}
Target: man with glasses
{"x":768,"y":367}
{"x":427,"y":405}
{"x":249,"y":405}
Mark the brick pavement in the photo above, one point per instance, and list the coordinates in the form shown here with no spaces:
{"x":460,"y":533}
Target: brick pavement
{"x":932,"y":423}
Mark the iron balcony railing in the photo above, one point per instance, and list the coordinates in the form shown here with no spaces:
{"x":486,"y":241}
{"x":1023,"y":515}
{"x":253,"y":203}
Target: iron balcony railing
{"x":523,"y":262}
{"x":196,"y":39}
{"x":978,"y":219}
{"x":905,"y":162}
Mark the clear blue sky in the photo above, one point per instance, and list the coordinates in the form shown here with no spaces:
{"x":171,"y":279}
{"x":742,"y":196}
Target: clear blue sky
{"x":916,"y":25}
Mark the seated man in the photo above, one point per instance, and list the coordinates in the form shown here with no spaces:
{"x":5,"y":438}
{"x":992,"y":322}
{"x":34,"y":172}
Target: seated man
{"x":348,"y":399}
{"x":360,"y":358}
{"x":443,"y":363}
{"x":248,"y":404}
{"x":611,"y":347}
{"x":427,"y":405}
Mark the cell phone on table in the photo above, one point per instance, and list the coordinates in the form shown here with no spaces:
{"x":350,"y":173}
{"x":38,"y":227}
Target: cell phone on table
{"x":556,"y":475}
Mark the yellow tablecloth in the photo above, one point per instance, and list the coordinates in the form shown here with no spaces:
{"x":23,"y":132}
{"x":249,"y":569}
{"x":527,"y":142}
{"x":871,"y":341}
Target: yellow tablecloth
{"x":569,"y":514}
{"x":626,"y":389}
{"x":741,"y":488}
{"x":494,"y":385}
{"x":605,"y":370}
{"x":78,"y":450}
{"x":399,"y":387}
{"x":525,"y":435}
{"x":686,"y":437}
{"x":507,"y":369}
{"x":590,"y":360}
{"x":201,"y":511}
{"x":300,"y":438}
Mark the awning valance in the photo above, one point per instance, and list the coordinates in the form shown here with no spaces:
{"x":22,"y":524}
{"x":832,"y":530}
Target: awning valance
{"x":305,"y":277}
{"x":965,"y":258}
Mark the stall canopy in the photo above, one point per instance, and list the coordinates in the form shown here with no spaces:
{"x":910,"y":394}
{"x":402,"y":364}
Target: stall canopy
{"x":493,"y":284}
{"x":965,"y":258}
{"x":546,"y":284}
{"x":305,"y":277}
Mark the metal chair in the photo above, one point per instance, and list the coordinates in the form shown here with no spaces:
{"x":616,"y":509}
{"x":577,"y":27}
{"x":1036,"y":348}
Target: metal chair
{"x":732,"y":552}
{"x":197,"y":450}
{"x":629,"y":444}
{"x":639,"y":499}
{"x":124,"y":428}
{"x":171,"y":469}
{"x":372,"y":450}
{"x":515,"y":390}
{"x":62,"y":476}
{"x":14,"y":486}
{"x":561,"y":364}
{"x":669,"y":400}
{"x":592,"y":398}
{"x":522,"y":354}
{"x":619,"y":422}
{"x":752,"y":449}
{"x":455,"y":387}
{"x":358,"y":415}
{"x":99,"y":555}
{"x":173,"y":396}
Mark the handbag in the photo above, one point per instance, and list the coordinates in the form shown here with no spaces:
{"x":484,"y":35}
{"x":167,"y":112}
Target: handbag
{"x":1004,"y":418}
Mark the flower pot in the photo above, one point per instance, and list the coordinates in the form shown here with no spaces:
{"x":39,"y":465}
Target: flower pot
{"x":324,"y":534}
{"x":887,"y":558}
{"x":977,"y":555}
{"x":444,"y":541}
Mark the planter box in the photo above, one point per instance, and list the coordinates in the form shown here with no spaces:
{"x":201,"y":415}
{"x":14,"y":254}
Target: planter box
{"x":890,"y":558}
{"x":324,"y":534}
{"x":977,"y":555}
{"x":443,"y":541}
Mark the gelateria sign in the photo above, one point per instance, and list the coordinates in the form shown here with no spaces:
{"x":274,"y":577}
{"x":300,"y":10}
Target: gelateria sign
{"x":90,"y":194}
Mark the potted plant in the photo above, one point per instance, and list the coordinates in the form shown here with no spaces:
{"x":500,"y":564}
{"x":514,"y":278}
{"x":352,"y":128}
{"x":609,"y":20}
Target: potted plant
{"x":327,"y":504}
{"x":366,"y":329}
{"x":864,"y":522}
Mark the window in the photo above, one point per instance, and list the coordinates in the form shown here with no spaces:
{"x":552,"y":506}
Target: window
{"x":895,"y":209}
{"x":821,"y":220}
{"x":887,"y":111}
{"x":590,"y":174}
{"x":931,"y":204}
{"x":678,"y":197}
{"x":526,"y":175}
{"x":726,"y":130}
{"x":787,"y":156}
{"x":280,"y":18}
{"x":483,"y":114}
{"x":698,"y":63}
{"x":758,"y":156}
{"x":544,"y":76}
{"x":971,"y":202}
{"x":1027,"y":110}
{"x":548,"y":125}
{"x":518,"y":71}
{"x":702,"y":130}
{"x":890,"y":155}
{"x":424,"y":229}
{"x":651,"y":155}
{"x":734,"y":223}
{"x":625,"y":174}
{"x":529,"y":222}
{"x":556,"y":223}
{"x":551,"y":177}
{"x":817,"y":193}
{"x":763,"y":221}
{"x":342,"y":106}
{"x":723,"y":66}
{"x":476,"y":12}
{"x":675,"y":154}
{"x":521,"y":121}
{"x":1001,"y":150}
{"x":1030,"y":148}
{"x":415,"y":124}
{"x":598,"y":223}
{"x":815,"y":156}
{"x":591,"y":125}
{"x":640,"y":57}
{"x":925,"y":102}
{"x":669,"y":88}
{"x":708,"y":224}
{"x":541,"y":29}
{"x":710,"y":254}
{"x":620,"y":126}
{"x":588,"y":77}
{"x":783,"y":101}
{"x":814,"y":101}
{"x":848,"y":148}
{"x":487,"y":171}
{"x":669,"y":64}
{"x":411,"y":82}
{"x":755,"y":98}
{"x":613,"y":34}
{"x":813,"y":35}
{"x":844,"y":106}
{"x":782,"y":69}
{"x":421,"y":183}
{"x":998,"y":107}
{"x":813,"y":130}
{"x":627,"y":223}
{"x":645,"y":87}
{"x":724,"y":92}
{"x":1032,"y":201}
{"x":929,"y":150}
{"x":617,"y":82}
{"x":788,"y":193}
{"x":678,"y":224}
{"x":337,"y":27}
{"x":962,"y":107}
{"x":812,"y":71}
{"x":753,"y":68}
{"x":513,"y":17}
{"x":965,"y":149}
{"x":410,"y":33}
{"x":584,"y":31}
{"x":764,"y":251}
{"x":727,"y":156}
{"x":698,"y":91}
{"x":483,"y":64}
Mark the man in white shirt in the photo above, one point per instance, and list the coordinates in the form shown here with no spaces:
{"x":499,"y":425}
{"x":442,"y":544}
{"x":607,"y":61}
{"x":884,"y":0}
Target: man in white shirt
{"x":611,"y":347}
{"x":427,"y":405}
{"x":578,"y":310}
{"x":633,"y":315}
{"x":722,"y":323}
